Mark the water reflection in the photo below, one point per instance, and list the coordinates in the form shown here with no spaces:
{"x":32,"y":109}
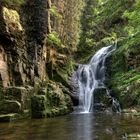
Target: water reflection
{"x":83,"y":128}
{"x":97,"y":126}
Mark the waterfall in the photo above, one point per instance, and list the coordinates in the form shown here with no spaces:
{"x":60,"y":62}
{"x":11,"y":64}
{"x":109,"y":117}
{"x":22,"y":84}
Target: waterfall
{"x":91,"y":76}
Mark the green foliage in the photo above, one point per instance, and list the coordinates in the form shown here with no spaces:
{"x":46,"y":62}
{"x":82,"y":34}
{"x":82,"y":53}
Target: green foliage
{"x":103,"y":22}
{"x":133,"y":28}
{"x":54,"y":12}
{"x":54,"y":40}
{"x":125,"y":81}
{"x":126,"y":87}
{"x":97,"y":27}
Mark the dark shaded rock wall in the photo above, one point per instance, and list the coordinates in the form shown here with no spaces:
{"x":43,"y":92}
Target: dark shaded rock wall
{"x":36,"y":21}
{"x":22,"y":46}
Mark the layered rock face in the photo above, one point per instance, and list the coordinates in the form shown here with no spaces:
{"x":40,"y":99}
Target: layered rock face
{"x":22,"y":50}
{"x":12,"y":49}
{"x":23,"y":57}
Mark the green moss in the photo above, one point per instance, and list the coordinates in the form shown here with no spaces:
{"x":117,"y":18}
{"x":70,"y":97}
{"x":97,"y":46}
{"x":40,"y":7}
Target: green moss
{"x":51,"y":101}
{"x":54,"y":12}
{"x":125,"y":86}
{"x":103,"y":22}
{"x":19,"y":2}
{"x":54,"y":40}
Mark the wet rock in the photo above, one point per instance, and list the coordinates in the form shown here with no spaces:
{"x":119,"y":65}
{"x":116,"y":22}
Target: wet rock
{"x":100,"y":94}
{"x":42,"y":91}
{"x":116,"y":106}
{"x":16,"y":93}
{"x":7,"y":106}
{"x":38,"y":114}
{"x":99,"y":106}
{"x":101,"y":90}
{"x":134,"y":136}
{"x":20,"y":94}
{"x":102,"y":99}
{"x":9,"y":117}
{"x":38,"y":106}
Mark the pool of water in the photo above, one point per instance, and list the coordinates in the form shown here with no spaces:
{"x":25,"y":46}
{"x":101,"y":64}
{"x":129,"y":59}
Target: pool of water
{"x":97,"y":126}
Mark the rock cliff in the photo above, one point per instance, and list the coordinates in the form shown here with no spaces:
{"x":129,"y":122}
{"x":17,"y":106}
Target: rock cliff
{"x":26,"y":69}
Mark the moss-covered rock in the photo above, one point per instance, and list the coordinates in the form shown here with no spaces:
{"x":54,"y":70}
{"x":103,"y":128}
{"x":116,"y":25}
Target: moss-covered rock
{"x":13,"y":3}
{"x":58,"y":102}
{"x":102,"y":99}
{"x":50,"y":101}
{"x":9,"y":117}
{"x":20,"y":94}
{"x":12,"y":20}
{"x":38,"y":106}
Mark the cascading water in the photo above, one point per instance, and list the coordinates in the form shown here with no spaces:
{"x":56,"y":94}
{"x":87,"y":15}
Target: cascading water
{"x":91,"y":76}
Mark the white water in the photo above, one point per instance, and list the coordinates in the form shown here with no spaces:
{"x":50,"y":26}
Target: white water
{"x":91,"y":76}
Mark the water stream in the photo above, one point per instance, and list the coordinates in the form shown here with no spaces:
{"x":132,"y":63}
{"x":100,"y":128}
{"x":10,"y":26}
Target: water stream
{"x":91,"y":76}
{"x":100,"y":126}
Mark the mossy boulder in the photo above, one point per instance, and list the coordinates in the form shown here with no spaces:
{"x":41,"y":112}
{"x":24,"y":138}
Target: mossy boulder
{"x":50,"y":101}
{"x":56,"y":95}
{"x":38,"y":106}
{"x":101,"y":95}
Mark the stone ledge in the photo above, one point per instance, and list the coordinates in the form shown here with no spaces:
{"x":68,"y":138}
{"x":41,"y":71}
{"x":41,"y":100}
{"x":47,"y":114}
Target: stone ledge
{"x":9,"y":106}
{"x":9,"y":117}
